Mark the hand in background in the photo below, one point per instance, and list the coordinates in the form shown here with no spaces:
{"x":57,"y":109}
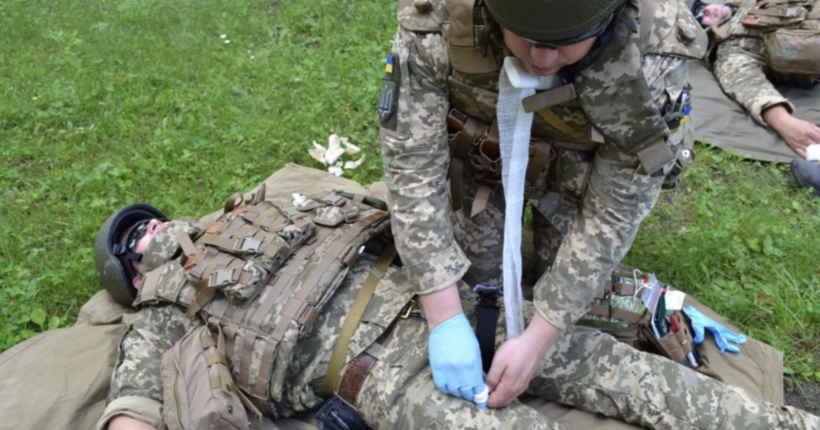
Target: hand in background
{"x":797,"y":133}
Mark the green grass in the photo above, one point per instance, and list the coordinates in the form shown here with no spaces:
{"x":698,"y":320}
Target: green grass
{"x":108,"y":103}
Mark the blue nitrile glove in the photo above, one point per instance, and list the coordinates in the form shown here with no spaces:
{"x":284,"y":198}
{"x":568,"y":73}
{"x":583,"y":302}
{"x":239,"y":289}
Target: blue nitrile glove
{"x":722,"y":334}
{"x":455,"y":359}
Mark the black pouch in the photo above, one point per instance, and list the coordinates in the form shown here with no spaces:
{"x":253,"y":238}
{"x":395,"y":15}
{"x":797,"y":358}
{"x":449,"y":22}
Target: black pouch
{"x":336,"y":415}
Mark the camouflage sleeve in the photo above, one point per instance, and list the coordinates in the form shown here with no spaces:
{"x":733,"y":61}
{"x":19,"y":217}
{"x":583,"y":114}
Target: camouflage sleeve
{"x":416,"y":158}
{"x":136,"y":387}
{"x":618,"y":198}
{"x":739,"y":68}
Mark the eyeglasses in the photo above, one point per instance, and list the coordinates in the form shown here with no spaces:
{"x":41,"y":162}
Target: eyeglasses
{"x":130,"y":239}
{"x":555,"y":44}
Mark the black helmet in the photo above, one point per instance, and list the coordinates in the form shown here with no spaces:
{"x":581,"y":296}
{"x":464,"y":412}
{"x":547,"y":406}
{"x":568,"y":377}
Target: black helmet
{"x":551,"y":20}
{"x":111,"y":251}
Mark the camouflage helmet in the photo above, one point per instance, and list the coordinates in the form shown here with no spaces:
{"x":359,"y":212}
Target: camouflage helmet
{"x":111,"y":251}
{"x":550,"y":20}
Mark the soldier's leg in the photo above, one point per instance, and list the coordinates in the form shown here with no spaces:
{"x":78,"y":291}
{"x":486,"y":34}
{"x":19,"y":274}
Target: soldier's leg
{"x":479,"y":229}
{"x":399,"y":392}
{"x":592,"y":371}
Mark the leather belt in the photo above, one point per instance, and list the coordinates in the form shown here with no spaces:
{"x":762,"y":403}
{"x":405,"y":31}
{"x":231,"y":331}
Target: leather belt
{"x":360,"y":367}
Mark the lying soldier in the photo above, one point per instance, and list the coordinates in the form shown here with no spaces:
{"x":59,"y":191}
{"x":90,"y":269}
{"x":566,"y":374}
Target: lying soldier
{"x":757,"y":43}
{"x":280,"y":343}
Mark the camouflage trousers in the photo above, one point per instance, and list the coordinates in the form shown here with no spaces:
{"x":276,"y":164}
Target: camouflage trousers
{"x":586,"y":369}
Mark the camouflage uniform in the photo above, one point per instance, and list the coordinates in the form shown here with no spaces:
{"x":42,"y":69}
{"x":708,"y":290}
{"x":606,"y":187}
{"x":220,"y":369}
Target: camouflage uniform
{"x":740,"y":67}
{"x":585,"y":369}
{"x":606,"y":195}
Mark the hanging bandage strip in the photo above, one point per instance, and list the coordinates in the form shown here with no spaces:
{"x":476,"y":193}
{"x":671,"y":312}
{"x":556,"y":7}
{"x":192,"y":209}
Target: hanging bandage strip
{"x":514,"y":126}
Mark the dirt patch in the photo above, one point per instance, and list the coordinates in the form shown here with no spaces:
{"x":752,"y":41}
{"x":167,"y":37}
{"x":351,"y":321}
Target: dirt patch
{"x":804,"y":395}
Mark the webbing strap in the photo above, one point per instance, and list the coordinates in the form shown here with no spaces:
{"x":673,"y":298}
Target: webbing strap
{"x":620,"y":314}
{"x":655,"y":156}
{"x":648,"y":9}
{"x":461,"y":24}
{"x":352,"y":319}
{"x":552,"y":119}
{"x":549,"y":98}
{"x":203,"y":296}
{"x":296,"y":305}
{"x":273,"y":295}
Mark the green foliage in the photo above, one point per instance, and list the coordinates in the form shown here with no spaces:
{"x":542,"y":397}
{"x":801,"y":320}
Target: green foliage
{"x":113,"y":102}
{"x":737,"y":238}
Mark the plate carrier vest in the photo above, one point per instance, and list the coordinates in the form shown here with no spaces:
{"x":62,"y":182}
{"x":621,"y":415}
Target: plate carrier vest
{"x":790,"y":30}
{"x":264,"y":273}
{"x":583,"y":113}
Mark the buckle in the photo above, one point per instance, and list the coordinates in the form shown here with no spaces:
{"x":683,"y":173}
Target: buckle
{"x":484,"y":290}
{"x":408,"y":309}
{"x":247,"y":244}
{"x":351,"y":214}
{"x":220,"y":278}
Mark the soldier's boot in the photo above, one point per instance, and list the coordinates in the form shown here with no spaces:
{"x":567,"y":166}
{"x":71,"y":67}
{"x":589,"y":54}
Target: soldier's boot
{"x":807,"y":174}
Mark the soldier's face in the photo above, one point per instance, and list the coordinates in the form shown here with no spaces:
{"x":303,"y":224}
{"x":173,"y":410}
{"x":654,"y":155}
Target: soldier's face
{"x":546,"y":61}
{"x":152,"y":229}
{"x":714,"y":14}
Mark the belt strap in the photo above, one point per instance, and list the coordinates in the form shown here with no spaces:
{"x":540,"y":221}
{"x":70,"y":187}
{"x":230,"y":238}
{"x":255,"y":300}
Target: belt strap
{"x":486,"y":323}
{"x":352,"y":319}
{"x":359,"y":367}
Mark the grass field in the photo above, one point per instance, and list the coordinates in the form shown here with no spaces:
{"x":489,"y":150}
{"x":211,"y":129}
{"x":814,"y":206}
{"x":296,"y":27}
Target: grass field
{"x":108,"y":103}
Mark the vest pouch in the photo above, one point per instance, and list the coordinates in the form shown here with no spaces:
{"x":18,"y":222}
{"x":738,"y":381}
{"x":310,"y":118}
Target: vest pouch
{"x":794,"y":51}
{"x":673,"y":345}
{"x":773,"y":15}
{"x":197,"y":389}
{"x":243,"y":286}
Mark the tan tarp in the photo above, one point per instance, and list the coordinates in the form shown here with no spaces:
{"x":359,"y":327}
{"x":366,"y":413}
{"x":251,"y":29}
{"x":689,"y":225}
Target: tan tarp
{"x":60,"y":379}
{"x":722,"y":122}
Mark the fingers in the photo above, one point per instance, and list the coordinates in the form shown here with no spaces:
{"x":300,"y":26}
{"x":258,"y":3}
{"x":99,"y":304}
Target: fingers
{"x":501,"y":397}
{"x":465,"y":393}
{"x":496,"y":372}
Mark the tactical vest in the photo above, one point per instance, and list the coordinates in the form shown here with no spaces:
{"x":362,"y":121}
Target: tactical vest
{"x":264,"y":273}
{"x":598,"y":104}
{"x":790,"y":30}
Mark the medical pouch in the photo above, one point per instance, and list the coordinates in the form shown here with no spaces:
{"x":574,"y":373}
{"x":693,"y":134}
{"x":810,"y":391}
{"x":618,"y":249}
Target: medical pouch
{"x":197,"y":389}
{"x":619,"y":311}
{"x":794,"y":51}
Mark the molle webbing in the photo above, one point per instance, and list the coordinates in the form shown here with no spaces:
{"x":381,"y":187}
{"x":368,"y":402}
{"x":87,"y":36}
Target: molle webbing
{"x":308,"y":250}
{"x":465,"y":39}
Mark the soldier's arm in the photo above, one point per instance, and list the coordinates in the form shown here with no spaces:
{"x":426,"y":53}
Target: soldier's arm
{"x":136,"y":386}
{"x":618,"y":198}
{"x":739,"y":68}
{"x":416,"y":158}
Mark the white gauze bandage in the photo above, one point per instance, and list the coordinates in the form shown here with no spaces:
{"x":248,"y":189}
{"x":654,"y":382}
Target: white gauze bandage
{"x":514,"y":126}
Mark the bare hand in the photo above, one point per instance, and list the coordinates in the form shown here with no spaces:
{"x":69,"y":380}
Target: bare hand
{"x":797,"y":133}
{"x":516,"y":361}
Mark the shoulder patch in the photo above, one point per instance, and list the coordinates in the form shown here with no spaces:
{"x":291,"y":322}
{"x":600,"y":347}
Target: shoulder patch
{"x":389,"y":92}
{"x":422,"y":15}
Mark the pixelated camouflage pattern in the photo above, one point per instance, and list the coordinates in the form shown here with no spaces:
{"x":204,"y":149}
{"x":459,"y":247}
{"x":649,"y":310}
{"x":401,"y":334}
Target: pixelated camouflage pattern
{"x":152,"y":332}
{"x":165,"y":245}
{"x":585,"y":369}
{"x":740,"y":66}
{"x":433,"y":242}
{"x":267,"y":328}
